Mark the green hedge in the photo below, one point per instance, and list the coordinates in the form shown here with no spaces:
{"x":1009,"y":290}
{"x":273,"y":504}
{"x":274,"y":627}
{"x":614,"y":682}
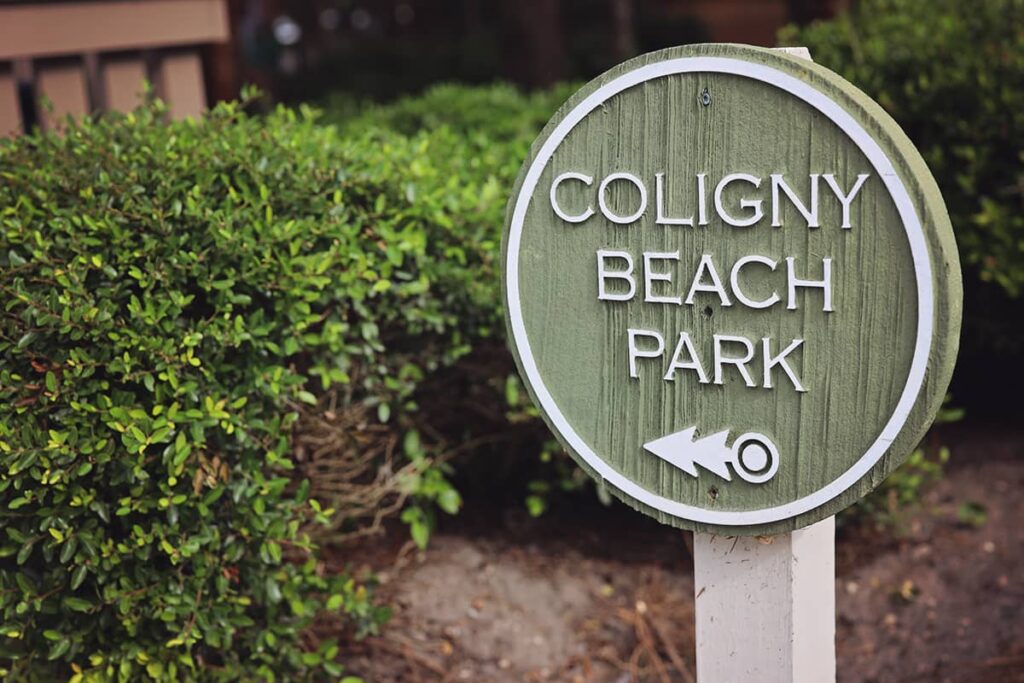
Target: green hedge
{"x":499,"y":113}
{"x":175,"y":296}
{"x":951,"y":73}
{"x":491,"y":129}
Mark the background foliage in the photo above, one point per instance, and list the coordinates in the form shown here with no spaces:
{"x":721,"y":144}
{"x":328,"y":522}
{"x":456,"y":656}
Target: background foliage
{"x":497,"y":113}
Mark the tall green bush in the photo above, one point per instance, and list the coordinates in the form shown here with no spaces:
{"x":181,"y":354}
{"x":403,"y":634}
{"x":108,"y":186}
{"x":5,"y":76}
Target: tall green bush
{"x":174,"y":295}
{"x":498,"y":112}
{"x":951,"y":73}
{"x":488,"y":131}
{"x":478,"y":137}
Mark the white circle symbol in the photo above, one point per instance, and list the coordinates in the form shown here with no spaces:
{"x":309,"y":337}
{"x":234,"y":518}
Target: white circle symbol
{"x":755,"y":458}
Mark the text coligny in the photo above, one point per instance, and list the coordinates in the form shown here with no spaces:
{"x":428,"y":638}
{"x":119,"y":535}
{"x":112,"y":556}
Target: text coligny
{"x":621,"y":277}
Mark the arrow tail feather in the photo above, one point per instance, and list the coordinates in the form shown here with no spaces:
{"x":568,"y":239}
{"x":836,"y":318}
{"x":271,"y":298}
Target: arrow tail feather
{"x":682,"y":450}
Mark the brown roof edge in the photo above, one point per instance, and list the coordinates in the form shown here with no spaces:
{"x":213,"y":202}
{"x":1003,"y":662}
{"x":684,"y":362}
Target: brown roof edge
{"x":63,"y":28}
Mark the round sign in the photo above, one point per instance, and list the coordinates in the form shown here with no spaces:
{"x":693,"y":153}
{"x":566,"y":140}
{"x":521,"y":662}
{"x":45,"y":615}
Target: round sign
{"x":731,"y":287}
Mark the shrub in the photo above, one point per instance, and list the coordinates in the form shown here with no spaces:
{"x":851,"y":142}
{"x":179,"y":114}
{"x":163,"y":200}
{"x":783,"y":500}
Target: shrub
{"x":890,"y":506}
{"x":499,"y":112}
{"x":175,"y":296}
{"x":487,"y":131}
{"x":949,"y":72}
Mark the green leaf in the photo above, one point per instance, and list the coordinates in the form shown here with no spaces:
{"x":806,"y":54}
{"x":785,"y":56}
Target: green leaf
{"x":78,"y":604}
{"x":67,"y":551}
{"x":512,"y":390}
{"x":536,"y":505}
{"x":274,"y":550}
{"x":420,"y":532}
{"x":972,"y":513}
{"x":449,"y":501}
{"x":411,"y":443}
{"x":59,"y":649}
{"x":273,"y":591}
{"x":23,"y":554}
{"x":26,"y":340}
{"x":25,"y":583}
{"x":78,"y":576}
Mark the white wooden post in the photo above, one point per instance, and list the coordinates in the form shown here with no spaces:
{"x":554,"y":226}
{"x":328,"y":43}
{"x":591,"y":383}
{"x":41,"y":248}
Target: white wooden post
{"x":766,"y":606}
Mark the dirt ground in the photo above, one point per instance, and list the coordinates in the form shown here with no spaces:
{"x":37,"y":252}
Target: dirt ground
{"x":602,"y":595}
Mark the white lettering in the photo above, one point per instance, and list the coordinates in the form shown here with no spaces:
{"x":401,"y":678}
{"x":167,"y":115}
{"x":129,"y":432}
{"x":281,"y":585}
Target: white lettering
{"x":754,"y":204}
{"x":635,"y":352}
{"x":650,"y":276}
{"x":845,"y":199}
{"x":702,"y":199}
{"x":810,"y":215}
{"x":602,"y":198}
{"x":780,"y":360}
{"x":734,"y":281}
{"x":740,"y":362}
{"x":685,"y":344}
{"x":604,"y":274}
{"x":586,"y":180}
{"x":825,"y":283}
{"x":706,"y":264}
{"x":659,"y":201}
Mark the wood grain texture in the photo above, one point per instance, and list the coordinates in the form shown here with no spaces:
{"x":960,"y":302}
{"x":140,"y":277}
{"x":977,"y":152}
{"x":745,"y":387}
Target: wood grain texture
{"x":765,"y":611}
{"x":854,"y":361}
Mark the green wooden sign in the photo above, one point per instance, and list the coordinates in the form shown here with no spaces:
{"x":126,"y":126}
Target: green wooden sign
{"x":731,"y":287}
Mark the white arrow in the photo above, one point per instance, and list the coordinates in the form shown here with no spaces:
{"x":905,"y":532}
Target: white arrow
{"x":754,"y":457}
{"x":681,"y":450}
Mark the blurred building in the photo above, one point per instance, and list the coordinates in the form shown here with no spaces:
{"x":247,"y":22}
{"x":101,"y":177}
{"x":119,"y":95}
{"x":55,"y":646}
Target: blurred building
{"x":91,"y":55}
{"x":382,"y":48}
{"x":755,"y":22}
{"x":88,"y":56}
